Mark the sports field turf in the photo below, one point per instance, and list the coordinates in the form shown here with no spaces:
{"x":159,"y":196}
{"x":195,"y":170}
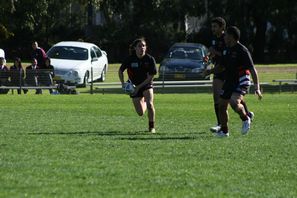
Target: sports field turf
{"x":96,"y":146}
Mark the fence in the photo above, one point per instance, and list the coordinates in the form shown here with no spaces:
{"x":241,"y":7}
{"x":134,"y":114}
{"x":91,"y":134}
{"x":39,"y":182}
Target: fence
{"x":24,"y":80}
{"x":181,"y":84}
{"x":37,"y":79}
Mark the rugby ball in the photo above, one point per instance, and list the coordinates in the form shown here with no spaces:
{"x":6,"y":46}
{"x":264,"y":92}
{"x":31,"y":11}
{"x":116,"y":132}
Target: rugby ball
{"x":129,"y":88}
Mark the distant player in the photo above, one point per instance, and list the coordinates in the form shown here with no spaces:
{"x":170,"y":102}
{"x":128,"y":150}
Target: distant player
{"x":141,"y":68}
{"x":238,"y":66}
{"x":218,"y":26}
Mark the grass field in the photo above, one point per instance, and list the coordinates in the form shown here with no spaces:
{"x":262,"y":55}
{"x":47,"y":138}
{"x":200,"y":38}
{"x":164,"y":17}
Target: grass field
{"x":95,"y":146}
{"x":267,"y":73}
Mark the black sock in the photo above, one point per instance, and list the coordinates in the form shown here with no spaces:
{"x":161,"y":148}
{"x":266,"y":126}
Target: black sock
{"x":216,"y":107}
{"x":151,"y":124}
{"x":224,"y":129}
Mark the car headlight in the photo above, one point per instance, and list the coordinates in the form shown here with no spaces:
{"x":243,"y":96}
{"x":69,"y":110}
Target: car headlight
{"x":72,"y":73}
{"x":196,"y":70}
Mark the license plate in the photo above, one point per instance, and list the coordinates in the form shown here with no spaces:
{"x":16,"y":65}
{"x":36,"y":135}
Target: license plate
{"x":179,"y":76}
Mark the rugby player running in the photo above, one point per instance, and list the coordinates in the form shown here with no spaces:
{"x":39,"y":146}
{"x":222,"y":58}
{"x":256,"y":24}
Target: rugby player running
{"x":218,"y":26}
{"x":141,"y":68}
{"x":238,"y":66}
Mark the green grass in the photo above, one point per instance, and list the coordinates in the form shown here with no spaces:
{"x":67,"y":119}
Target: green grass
{"x":96,"y":146}
{"x":277,"y":65}
{"x":267,"y":76}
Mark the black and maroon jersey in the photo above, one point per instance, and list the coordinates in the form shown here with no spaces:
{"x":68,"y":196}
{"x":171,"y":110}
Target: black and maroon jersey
{"x":139,"y":69}
{"x":238,"y":62}
{"x":218,"y":43}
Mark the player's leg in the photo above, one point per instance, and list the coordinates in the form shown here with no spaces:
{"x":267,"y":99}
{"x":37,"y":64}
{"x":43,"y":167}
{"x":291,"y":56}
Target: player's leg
{"x":217,"y":85}
{"x":139,"y":105}
{"x":249,"y":113}
{"x":224,"y":117}
{"x":235,"y":103}
{"x":149,"y":98}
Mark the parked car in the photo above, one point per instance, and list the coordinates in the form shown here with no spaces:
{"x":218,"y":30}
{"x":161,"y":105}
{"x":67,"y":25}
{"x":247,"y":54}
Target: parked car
{"x":73,"y":62}
{"x":185,"y":61}
{"x":2,"y":53}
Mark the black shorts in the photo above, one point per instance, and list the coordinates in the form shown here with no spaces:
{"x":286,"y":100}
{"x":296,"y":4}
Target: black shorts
{"x":139,"y":94}
{"x":228,"y":90}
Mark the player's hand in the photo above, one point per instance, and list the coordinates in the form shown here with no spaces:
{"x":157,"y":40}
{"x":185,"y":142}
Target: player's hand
{"x":136,"y":90}
{"x":212,"y":51}
{"x":123,"y":86}
{"x":259,"y":94}
{"x":207,"y":72}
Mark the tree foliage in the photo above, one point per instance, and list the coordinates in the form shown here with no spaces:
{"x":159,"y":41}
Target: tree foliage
{"x":263,"y":23}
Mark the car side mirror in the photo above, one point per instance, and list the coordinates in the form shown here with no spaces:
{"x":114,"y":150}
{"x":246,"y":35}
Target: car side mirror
{"x":94,"y":59}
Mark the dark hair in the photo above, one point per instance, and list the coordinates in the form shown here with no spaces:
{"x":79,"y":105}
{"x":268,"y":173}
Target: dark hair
{"x":134,"y":44}
{"x":17,"y":59}
{"x":234,"y":31}
{"x":220,"y":21}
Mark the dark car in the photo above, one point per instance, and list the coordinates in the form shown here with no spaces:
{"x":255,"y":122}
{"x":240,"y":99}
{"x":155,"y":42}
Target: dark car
{"x":185,"y":61}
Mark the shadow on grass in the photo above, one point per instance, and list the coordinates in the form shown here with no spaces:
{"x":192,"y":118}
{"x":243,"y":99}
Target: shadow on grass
{"x":138,"y":135}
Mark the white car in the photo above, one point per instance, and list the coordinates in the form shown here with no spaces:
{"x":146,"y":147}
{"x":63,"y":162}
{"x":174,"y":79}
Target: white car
{"x":2,"y":54}
{"x":74,"y":62}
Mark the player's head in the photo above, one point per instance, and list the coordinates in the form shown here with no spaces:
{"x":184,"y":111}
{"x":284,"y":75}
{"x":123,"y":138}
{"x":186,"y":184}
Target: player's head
{"x":17,"y":62}
{"x":34,"y":45}
{"x":232,"y":35}
{"x":138,"y":47}
{"x":218,"y":25}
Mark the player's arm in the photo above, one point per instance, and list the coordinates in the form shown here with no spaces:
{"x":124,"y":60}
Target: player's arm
{"x":121,"y":76}
{"x":213,"y":52}
{"x":255,"y":78}
{"x":145,"y":82}
{"x":248,"y":61}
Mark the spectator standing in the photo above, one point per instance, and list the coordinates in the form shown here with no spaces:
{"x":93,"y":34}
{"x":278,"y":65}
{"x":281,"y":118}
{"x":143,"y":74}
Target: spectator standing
{"x":39,"y":54}
{"x":17,"y":75}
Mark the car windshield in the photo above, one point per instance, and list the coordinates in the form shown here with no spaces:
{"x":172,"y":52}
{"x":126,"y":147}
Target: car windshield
{"x":68,"y":52}
{"x":185,"y":53}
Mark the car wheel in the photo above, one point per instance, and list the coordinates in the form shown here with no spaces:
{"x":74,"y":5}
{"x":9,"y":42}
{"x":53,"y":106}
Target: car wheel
{"x":86,"y":79}
{"x":103,"y":75}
